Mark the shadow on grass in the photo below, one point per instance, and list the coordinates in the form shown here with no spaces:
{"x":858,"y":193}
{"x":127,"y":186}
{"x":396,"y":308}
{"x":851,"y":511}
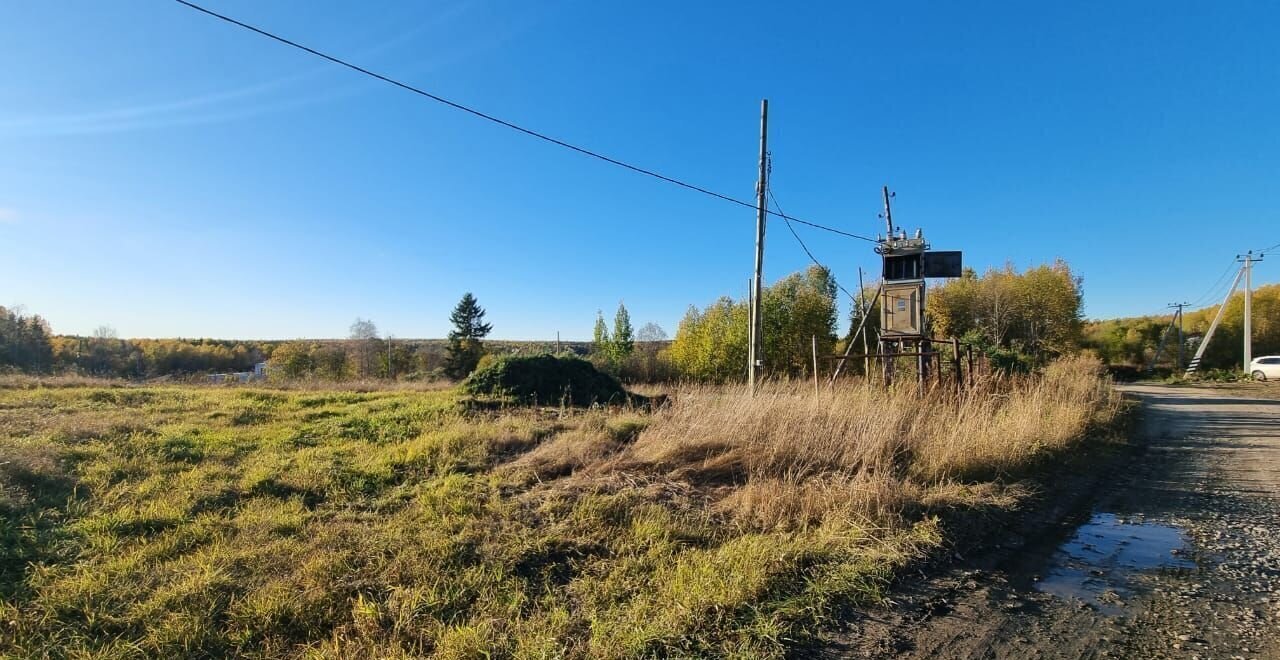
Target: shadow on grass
{"x":35,"y":493}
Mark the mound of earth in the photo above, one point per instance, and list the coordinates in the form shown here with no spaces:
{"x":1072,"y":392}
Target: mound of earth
{"x":545,"y":380}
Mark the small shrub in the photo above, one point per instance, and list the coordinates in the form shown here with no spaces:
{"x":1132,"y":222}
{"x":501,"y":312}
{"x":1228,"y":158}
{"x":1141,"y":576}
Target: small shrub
{"x":545,"y":379}
{"x":1222,"y":376}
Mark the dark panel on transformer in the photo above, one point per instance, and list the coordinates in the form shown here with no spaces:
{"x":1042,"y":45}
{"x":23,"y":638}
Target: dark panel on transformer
{"x":903,"y":267}
{"x":942,"y":264}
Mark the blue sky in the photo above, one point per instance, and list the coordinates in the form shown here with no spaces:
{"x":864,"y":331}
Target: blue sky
{"x":169,"y":175}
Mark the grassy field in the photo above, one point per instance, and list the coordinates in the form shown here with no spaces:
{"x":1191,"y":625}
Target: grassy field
{"x":204,"y":521}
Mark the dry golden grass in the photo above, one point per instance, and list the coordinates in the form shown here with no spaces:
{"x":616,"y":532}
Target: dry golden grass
{"x":796,"y":455}
{"x":22,"y":381}
{"x":250,"y":522}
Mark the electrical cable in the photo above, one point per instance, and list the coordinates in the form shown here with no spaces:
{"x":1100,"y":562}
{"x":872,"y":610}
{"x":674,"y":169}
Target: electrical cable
{"x":503,"y":122}
{"x":787,"y":220}
{"x":1215,"y":288}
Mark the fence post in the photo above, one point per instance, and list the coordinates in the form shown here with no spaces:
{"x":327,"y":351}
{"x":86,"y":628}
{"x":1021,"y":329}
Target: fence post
{"x":955,"y":361}
{"x":815,"y":362}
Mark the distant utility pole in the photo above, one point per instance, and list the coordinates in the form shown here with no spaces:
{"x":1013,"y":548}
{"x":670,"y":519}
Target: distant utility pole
{"x":1182,"y":338}
{"x":1248,"y":259}
{"x":756,"y":351}
{"x":391,"y":373}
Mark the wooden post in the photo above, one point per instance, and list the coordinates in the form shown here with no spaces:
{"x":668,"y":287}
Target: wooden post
{"x":863,"y":310}
{"x":887,"y":350}
{"x":955,"y":362}
{"x":751,"y":326}
{"x":815,"y":364}
{"x":922,"y":362}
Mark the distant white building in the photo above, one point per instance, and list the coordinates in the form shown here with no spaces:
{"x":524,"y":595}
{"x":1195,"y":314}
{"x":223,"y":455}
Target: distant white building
{"x":259,"y":373}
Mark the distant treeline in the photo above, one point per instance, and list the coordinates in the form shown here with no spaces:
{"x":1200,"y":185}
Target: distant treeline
{"x":28,"y":346}
{"x":1020,"y":320}
{"x":1133,"y":341}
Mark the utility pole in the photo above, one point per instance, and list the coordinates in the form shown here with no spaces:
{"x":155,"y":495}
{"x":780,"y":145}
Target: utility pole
{"x":390,"y":369}
{"x":1182,"y":338}
{"x":1248,"y":260}
{"x":762,"y":185}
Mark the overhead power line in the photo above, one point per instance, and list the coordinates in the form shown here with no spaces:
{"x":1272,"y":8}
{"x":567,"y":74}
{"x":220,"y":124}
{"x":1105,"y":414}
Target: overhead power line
{"x":1277,"y":245}
{"x":502,"y":122}
{"x":787,"y":220}
{"x":1210,"y":294}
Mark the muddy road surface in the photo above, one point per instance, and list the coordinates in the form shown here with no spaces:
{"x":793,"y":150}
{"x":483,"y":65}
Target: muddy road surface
{"x":1173,"y":553}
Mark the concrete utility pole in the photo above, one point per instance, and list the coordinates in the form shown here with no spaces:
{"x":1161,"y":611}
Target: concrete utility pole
{"x":756,"y":352}
{"x":1248,"y":260}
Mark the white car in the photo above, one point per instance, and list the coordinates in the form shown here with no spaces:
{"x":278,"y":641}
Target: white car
{"x":1265,"y":367}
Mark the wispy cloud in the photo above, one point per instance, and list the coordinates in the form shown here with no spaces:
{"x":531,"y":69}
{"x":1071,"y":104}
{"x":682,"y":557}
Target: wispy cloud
{"x":8,"y":216}
{"x":288,"y":92}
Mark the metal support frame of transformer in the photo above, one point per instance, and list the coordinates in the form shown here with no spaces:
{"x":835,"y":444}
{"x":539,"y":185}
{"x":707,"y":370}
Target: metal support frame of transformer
{"x":927,"y":350}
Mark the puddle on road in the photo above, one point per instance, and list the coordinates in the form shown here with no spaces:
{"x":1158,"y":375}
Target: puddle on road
{"x":1096,"y":565}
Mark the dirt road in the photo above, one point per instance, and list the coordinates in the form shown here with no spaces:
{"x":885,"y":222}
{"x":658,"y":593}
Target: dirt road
{"x":1175,"y":554}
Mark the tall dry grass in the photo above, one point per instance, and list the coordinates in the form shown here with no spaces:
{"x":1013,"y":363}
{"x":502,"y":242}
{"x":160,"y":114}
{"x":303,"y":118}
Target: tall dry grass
{"x":796,"y":456}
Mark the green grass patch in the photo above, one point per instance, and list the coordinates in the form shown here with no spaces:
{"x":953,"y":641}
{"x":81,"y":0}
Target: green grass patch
{"x":223,"y":522}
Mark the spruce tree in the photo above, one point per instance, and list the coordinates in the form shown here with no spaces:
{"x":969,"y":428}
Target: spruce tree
{"x":465,"y":346}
